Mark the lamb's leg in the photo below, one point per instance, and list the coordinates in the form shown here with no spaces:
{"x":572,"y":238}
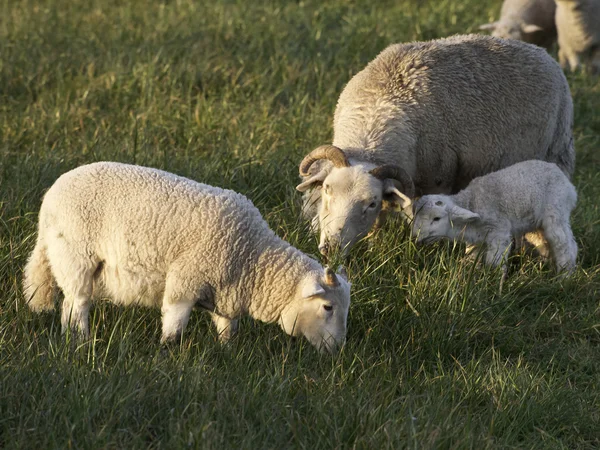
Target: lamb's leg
{"x":74,"y":273}
{"x":562,"y":243}
{"x":227,"y":328}
{"x":179,"y":299}
{"x":498,"y":249}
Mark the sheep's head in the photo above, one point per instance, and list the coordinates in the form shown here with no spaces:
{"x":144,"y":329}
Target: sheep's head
{"x":437,"y":216}
{"x":319,"y":310}
{"x":511,"y":29}
{"x":352,"y":197}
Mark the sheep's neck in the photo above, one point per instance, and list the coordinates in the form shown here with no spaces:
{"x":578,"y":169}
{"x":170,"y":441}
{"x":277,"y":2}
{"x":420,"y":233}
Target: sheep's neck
{"x":277,"y":275}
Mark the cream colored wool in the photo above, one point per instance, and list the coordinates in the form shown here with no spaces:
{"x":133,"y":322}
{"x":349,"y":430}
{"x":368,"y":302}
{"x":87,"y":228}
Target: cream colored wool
{"x":144,"y":236}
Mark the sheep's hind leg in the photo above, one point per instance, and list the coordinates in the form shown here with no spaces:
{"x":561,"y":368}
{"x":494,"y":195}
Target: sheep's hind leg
{"x":227,"y":328}
{"x":74,"y":273}
{"x":562,"y":243}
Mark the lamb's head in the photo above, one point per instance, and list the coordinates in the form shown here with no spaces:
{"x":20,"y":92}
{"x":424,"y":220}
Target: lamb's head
{"x":511,"y":29}
{"x":437,"y":217}
{"x":352,"y":196}
{"x":319,"y":310}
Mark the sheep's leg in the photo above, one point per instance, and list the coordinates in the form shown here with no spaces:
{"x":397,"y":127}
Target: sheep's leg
{"x":227,"y":328}
{"x":74,"y":273}
{"x":562,"y":59}
{"x":179,"y":299}
{"x":497,"y":251}
{"x":562,"y":243}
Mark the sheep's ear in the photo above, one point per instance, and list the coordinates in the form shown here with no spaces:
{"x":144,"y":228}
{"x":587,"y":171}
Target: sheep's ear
{"x":456,"y":212}
{"x":530,"y":28}
{"x":342,"y":273}
{"x":311,"y":288}
{"x":393,"y":195}
{"x":488,"y":26}
{"x":312,"y":182}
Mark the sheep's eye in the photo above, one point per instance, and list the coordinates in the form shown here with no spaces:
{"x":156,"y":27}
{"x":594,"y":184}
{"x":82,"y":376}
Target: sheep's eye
{"x":435,"y":219}
{"x":373,"y":205}
{"x":327,"y":307}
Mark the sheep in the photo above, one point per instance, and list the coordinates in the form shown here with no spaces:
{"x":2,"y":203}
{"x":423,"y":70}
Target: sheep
{"x":530,"y":21}
{"x":495,"y":208}
{"x":427,"y":118}
{"x":144,"y":236}
{"x":578,"y":26}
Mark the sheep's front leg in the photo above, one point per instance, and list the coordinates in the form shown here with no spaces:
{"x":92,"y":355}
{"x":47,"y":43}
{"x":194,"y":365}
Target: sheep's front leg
{"x":498,"y":249}
{"x":179,"y":299}
{"x":227,"y":328}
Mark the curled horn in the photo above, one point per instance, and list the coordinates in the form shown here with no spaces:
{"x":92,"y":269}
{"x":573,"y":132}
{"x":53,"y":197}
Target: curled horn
{"x":396,"y":173}
{"x":331,"y":278}
{"x":330,"y":152}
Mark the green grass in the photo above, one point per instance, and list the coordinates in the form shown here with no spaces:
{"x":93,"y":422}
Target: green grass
{"x":234,"y":93}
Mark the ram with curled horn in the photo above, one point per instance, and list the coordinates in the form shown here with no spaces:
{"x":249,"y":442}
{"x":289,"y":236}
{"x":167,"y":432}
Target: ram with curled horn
{"x":352,"y":197}
{"x":413,"y":123}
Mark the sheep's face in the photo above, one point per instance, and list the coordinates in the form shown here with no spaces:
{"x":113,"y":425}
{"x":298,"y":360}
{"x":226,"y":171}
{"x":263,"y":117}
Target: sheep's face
{"x":351,"y":200}
{"x":431,"y":220}
{"x":437,"y":216}
{"x":319,"y":311}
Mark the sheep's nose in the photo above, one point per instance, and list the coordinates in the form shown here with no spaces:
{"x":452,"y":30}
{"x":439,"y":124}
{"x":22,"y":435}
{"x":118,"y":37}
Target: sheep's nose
{"x":324,"y":249}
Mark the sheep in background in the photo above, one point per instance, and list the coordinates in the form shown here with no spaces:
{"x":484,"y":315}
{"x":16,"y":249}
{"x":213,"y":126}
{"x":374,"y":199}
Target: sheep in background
{"x":530,"y":21}
{"x":141,"y":235}
{"x":428,"y":117}
{"x":578,"y":26}
{"x":503,"y":205}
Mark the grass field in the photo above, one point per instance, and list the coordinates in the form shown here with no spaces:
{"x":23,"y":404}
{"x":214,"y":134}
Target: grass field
{"x":234,"y":93}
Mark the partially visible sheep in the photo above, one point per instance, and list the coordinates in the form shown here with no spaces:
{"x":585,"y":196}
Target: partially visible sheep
{"x":141,"y":235}
{"x":578,"y":26}
{"x":427,"y":118}
{"x":531,"y":21}
{"x":503,"y":205}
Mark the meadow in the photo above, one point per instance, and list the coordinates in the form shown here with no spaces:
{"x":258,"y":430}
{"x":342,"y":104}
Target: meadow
{"x":234,"y":93}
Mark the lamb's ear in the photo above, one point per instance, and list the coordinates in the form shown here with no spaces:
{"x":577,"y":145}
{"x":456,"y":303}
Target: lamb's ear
{"x":312,"y":182}
{"x":530,"y":28}
{"x":393,"y":195}
{"x":456,"y":212}
{"x":311,"y":288}
{"x":488,"y":26}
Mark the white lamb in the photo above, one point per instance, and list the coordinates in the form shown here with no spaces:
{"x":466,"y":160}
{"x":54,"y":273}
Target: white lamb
{"x":578,"y":27}
{"x":495,"y":208}
{"x":141,"y":235}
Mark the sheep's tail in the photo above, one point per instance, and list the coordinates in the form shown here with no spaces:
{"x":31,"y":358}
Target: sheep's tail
{"x":38,"y":282}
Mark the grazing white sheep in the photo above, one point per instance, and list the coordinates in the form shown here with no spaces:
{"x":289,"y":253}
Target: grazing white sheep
{"x":141,"y":235}
{"x":500,"y":206}
{"x":530,"y":21}
{"x":578,"y":26}
{"x":433,"y":116}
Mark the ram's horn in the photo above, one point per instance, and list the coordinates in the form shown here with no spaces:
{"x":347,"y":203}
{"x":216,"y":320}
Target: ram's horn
{"x":330,"y":152}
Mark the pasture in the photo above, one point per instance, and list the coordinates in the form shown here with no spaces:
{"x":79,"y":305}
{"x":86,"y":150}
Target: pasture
{"x":234,"y":93}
